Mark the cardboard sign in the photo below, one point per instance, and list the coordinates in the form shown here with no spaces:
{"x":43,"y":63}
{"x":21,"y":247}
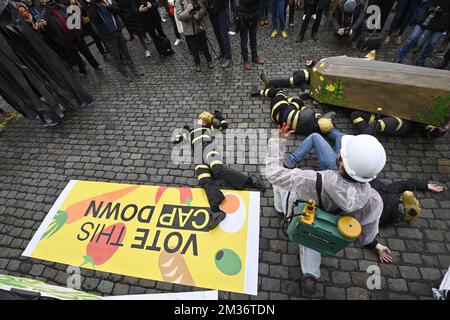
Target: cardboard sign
{"x":10,"y":283}
{"x":153,"y":232}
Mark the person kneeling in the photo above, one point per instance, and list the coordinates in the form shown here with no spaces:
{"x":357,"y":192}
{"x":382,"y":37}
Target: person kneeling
{"x":344,"y":184}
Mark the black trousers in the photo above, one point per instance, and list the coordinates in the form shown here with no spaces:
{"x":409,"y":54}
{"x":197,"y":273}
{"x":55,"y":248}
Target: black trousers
{"x":84,"y":50}
{"x":291,"y":11}
{"x":172,"y":21}
{"x":156,"y":33}
{"x":309,"y":11}
{"x":298,"y":79}
{"x":198,"y":43}
{"x":74,"y":57}
{"x":98,"y":42}
{"x":118,"y":49}
{"x":249,"y":30}
{"x":213,"y":169}
{"x":447,"y":57}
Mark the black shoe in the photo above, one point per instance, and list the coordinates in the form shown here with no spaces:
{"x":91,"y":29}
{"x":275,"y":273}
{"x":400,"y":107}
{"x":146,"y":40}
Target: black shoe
{"x":353,"y":45}
{"x":210,"y":65}
{"x":254,"y":91}
{"x":314,"y":36}
{"x":300,"y":38}
{"x":257,"y":183}
{"x":264,"y":79}
{"x":215,"y":219}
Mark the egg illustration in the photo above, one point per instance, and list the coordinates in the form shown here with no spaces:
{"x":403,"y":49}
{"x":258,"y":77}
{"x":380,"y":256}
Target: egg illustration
{"x":234,"y":207}
{"x":228,"y":262}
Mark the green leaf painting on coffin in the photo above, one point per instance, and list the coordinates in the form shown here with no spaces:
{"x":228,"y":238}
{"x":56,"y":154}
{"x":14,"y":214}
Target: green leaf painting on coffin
{"x":328,"y":92}
{"x":436,"y":114}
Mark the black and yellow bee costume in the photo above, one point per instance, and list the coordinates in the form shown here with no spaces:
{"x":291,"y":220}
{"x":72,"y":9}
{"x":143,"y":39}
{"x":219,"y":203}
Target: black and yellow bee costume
{"x":300,"y":78}
{"x":366,"y":122}
{"x":212,"y":168}
{"x":293,"y":112}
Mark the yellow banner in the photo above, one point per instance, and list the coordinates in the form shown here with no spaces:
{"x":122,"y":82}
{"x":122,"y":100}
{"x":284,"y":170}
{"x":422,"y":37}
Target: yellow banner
{"x":153,"y":232}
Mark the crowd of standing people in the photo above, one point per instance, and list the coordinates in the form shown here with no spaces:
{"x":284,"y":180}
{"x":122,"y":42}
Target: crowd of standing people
{"x":103,"y":21}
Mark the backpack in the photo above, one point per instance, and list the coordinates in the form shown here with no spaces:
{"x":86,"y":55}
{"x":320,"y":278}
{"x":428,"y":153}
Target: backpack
{"x":163,"y":46}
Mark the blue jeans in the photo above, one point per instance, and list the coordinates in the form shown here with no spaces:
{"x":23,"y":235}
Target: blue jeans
{"x":264,"y":9}
{"x":430,"y":42}
{"x":277,"y":8}
{"x":326,"y":155}
{"x":221,"y":27}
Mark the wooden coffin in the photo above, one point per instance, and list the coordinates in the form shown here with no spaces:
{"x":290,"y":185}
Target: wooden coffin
{"x":408,"y":92}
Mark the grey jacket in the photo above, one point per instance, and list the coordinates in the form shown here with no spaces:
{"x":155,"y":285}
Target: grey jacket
{"x":357,"y":199}
{"x":191,"y":26}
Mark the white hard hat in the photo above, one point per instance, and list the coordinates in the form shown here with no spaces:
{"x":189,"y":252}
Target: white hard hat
{"x":363,"y":157}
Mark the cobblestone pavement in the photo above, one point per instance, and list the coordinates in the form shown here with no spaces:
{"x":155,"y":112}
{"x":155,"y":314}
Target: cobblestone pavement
{"x":126,"y":139}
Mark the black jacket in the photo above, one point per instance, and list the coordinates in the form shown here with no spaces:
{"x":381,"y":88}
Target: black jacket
{"x":129,"y":14}
{"x":95,"y":17}
{"x":441,"y":21}
{"x":151,"y":18}
{"x":249,"y":10}
{"x":352,"y":20}
{"x":54,"y":31}
{"x":216,"y":6}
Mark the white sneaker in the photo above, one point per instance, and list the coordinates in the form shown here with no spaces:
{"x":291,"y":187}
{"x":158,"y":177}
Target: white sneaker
{"x":304,"y":17}
{"x":147,"y":54}
{"x":177,"y":42}
{"x":231,"y":33}
{"x":314,"y":16}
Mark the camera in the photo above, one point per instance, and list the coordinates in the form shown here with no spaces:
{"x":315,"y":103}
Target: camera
{"x":434,"y":12}
{"x":196,"y":5}
{"x":347,"y":31}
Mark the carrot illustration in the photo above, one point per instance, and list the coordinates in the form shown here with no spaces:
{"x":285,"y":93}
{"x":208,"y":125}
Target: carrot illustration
{"x":102,"y":247}
{"x":185,"y":194}
{"x":174,"y":269}
{"x":77,"y":210}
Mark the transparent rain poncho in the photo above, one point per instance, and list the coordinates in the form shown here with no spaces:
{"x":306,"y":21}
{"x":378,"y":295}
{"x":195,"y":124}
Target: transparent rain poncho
{"x":356,"y":199}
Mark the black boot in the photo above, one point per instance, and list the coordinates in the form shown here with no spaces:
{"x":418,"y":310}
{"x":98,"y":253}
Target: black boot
{"x":254,"y":91}
{"x":300,"y":38}
{"x":314,"y":36}
{"x":215,"y":218}
{"x":264,"y":79}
